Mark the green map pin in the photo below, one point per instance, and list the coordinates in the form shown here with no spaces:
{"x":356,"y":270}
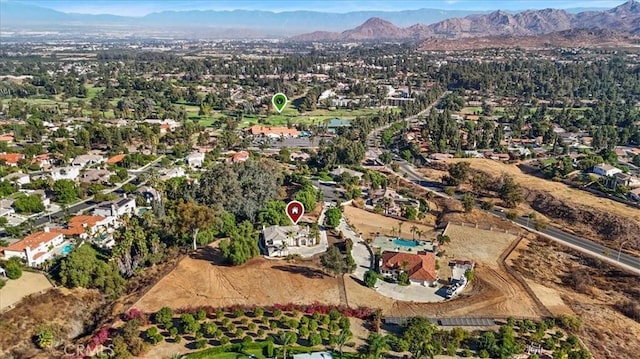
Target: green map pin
{"x":279,"y":101}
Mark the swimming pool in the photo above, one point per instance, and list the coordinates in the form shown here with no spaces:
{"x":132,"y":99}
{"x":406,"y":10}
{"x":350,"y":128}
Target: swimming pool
{"x":66,"y":249}
{"x":405,"y":242}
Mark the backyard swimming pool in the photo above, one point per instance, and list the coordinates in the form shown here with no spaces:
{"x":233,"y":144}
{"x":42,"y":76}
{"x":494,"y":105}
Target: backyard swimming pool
{"x":405,"y":242}
{"x":66,"y":249}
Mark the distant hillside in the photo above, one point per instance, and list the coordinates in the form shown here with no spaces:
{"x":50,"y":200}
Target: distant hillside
{"x":568,"y":38}
{"x":17,"y":15}
{"x":625,"y":18}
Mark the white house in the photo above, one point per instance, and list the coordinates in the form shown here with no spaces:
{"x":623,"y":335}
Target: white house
{"x":604,"y":169}
{"x":18,"y":177}
{"x":278,"y":239}
{"x":65,"y":173}
{"x":420,"y":267}
{"x":35,"y":248}
{"x":173,"y":173}
{"x":87,"y":160}
{"x":116,"y":208}
{"x":314,"y":355}
{"x":195,"y":159}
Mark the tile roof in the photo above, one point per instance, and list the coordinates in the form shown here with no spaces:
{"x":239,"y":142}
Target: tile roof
{"x":11,"y":157}
{"x":419,"y":266}
{"x":115,"y":159}
{"x":261,"y":130}
{"x":32,"y":241}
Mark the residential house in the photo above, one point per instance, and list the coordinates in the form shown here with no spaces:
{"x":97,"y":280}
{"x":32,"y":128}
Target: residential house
{"x":278,"y":239}
{"x":65,"y":173}
{"x":195,"y":159}
{"x":391,"y":201}
{"x":85,"y":227}
{"x":116,"y":208}
{"x":43,"y":161}
{"x":11,"y":159}
{"x":96,"y":176}
{"x":421,"y":267}
{"x":115,"y":159}
{"x":341,"y":170}
{"x":46,"y":201}
{"x":7,"y":137}
{"x":440,"y":156}
{"x":273,"y":132}
{"x":18,"y":178}
{"x":604,"y":169}
{"x":238,"y":157}
{"x":149,"y":194}
{"x":35,"y":248}
{"x":634,"y":194}
{"x":87,"y":160}
{"x":173,"y":173}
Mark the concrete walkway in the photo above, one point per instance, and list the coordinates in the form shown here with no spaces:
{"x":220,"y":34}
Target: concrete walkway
{"x":362,"y":257}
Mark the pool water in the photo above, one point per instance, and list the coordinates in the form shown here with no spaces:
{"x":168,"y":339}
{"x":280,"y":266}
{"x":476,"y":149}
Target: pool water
{"x":405,"y":243}
{"x":66,"y":249}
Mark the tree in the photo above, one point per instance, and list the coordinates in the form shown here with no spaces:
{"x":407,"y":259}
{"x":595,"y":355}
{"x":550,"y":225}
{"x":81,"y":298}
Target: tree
{"x":13,"y":269}
{"x":417,"y":333}
{"x":409,"y":212}
{"x":164,"y":316}
{"x":65,"y":191}
{"x":510,"y":192}
{"x":191,"y":218}
{"x":332,"y":217}
{"x":44,"y":337}
{"x":242,"y":246}
{"x":458,"y":173}
{"x":332,"y":261}
{"x":307,"y":196}
{"x":468,"y":202}
{"x":274,"y":214}
{"x":286,"y":339}
{"x":370,"y":278}
{"x":28,"y":204}
{"x":342,"y":338}
{"x":377,"y":345}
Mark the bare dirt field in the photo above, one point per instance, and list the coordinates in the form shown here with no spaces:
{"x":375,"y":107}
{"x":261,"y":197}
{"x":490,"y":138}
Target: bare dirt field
{"x":368,"y":224}
{"x":556,"y":189}
{"x":199,"y":280}
{"x":594,"y":291}
{"x":28,"y":283}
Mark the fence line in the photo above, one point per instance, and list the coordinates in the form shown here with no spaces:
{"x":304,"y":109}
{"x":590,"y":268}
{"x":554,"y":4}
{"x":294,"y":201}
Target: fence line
{"x":480,"y":226}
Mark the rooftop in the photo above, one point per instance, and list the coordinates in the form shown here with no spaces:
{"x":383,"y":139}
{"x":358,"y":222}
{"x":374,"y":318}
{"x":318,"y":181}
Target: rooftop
{"x":420,"y":266}
{"x":33,"y":240}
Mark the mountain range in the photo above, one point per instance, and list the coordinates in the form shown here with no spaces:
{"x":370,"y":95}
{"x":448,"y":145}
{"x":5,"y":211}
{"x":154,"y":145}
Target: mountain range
{"x":624,"y":18}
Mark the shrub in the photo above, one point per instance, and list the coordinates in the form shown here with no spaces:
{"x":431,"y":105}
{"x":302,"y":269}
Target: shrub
{"x":44,"y":338}
{"x":258,"y":312}
{"x":247,"y":339}
{"x":239,"y":333}
{"x":224,"y":340}
{"x":244,"y":321}
{"x":238,"y":313}
{"x":202,"y":314}
{"x":260,"y":333}
{"x":173,"y":331}
{"x":252,"y":326}
{"x":273,"y":324}
{"x":277,"y":313}
{"x":2,"y":283}
{"x":201,"y":343}
{"x":315,"y":339}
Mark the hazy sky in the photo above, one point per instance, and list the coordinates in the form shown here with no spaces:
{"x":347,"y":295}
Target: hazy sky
{"x":143,"y":7}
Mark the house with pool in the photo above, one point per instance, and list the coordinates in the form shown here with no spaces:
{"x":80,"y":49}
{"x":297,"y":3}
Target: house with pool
{"x":37,"y":247}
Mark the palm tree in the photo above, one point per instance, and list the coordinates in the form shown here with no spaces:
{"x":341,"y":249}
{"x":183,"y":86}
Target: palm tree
{"x":342,"y":339}
{"x":394,"y":231}
{"x":286,"y":339}
{"x":283,"y":247}
{"x":400,"y":229}
{"x":443,"y":239}
{"x":376,"y":345}
{"x":419,"y":233}
{"x":414,"y":230}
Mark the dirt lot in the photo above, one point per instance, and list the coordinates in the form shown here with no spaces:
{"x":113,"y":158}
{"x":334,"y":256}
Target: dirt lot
{"x":68,"y":310}
{"x":590,"y":289}
{"x":198,"y":280}
{"x":28,"y":283}
{"x":556,"y":189}
{"x":368,"y":224}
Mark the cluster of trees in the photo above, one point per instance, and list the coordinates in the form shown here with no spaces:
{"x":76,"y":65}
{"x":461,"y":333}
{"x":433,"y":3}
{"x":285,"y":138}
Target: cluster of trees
{"x":86,"y":267}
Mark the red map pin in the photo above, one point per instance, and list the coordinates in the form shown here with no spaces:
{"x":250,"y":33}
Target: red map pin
{"x":295,"y":210}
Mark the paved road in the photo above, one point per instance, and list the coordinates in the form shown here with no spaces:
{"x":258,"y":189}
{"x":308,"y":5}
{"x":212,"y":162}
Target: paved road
{"x":582,"y":244}
{"x":611,"y":255}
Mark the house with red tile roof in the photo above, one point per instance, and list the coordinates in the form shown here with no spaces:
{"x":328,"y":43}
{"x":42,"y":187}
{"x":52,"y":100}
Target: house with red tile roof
{"x":11,"y":159}
{"x":115,"y":159}
{"x":421,"y":267}
{"x":273,"y":132}
{"x":7,"y":137}
{"x":238,"y":157}
{"x":35,"y":248}
{"x":84,"y":226}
